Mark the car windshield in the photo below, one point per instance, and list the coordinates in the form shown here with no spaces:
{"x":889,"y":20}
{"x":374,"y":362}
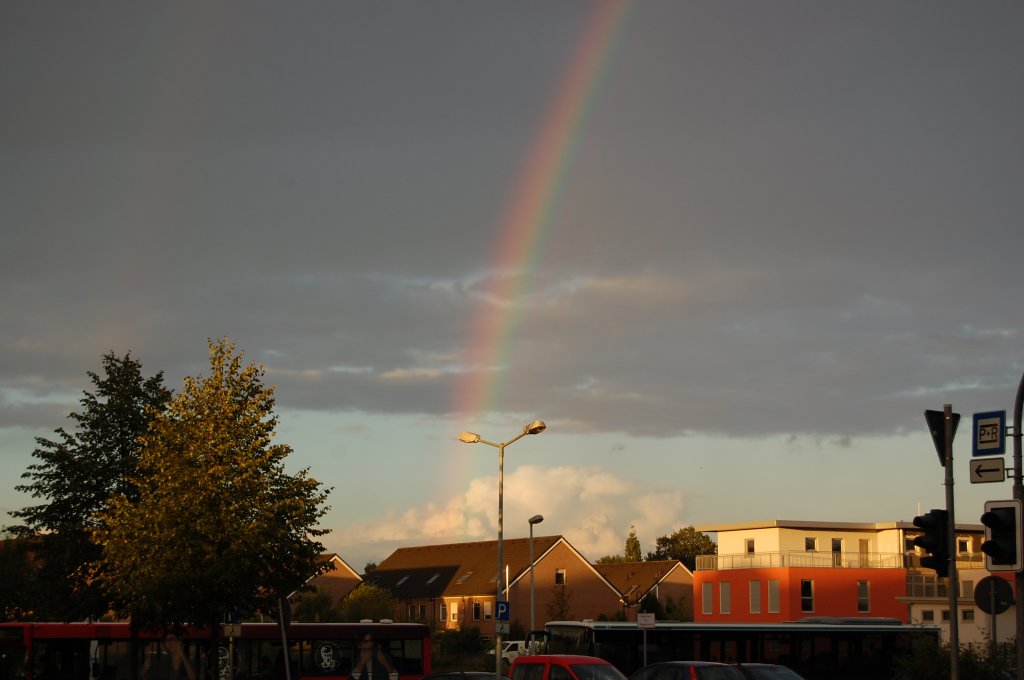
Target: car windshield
{"x":718,"y":673}
{"x":596,"y":671}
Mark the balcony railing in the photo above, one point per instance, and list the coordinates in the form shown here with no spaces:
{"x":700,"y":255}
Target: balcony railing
{"x":800,"y":558}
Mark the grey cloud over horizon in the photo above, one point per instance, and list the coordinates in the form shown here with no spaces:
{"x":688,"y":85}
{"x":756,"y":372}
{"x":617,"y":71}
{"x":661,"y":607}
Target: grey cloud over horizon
{"x":806,"y":224}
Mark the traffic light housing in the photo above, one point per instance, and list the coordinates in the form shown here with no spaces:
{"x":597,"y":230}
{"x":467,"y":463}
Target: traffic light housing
{"x":1002,"y":546}
{"x":934,"y":540}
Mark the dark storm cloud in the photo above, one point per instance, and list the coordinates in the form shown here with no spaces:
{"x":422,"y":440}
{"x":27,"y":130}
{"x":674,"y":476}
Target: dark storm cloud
{"x":779,"y":219}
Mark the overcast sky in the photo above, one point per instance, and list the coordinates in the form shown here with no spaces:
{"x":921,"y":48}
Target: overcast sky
{"x":773,"y":234}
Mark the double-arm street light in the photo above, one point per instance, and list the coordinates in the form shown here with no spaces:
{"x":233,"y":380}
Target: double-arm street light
{"x":536,"y":427}
{"x":536,"y":519}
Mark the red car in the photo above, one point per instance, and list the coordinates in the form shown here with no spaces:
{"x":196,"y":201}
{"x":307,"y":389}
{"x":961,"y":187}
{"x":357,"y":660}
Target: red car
{"x":563,"y":667}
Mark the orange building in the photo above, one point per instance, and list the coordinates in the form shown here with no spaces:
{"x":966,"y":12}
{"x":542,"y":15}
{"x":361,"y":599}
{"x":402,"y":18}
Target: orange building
{"x":784,"y":570}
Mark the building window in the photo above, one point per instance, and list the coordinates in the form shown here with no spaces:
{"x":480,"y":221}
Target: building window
{"x":837,"y":552}
{"x":806,"y":595}
{"x":476,"y":611}
{"x":750,"y":546}
{"x":725,"y":598}
{"x":810,"y":544}
{"x":706,"y":599}
{"x":455,"y":611}
{"x":755,"y":597}
{"x":863,"y":596}
{"x":443,"y":612}
{"x":962,"y":545}
{"x":423,"y":613}
{"x":773,"y":596}
{"x":967,"y":616}
{"x":487,"y":611}
{"x":928,"y":616}
{"x":559,"y":577}
{"x":945,"y":616}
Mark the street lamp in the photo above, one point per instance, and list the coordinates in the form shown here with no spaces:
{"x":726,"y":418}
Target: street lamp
{"x":536,"y":427}
{"x":536,"y":519}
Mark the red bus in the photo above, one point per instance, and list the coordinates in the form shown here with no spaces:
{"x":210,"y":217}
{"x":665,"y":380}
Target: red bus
{"x":247,"y":651}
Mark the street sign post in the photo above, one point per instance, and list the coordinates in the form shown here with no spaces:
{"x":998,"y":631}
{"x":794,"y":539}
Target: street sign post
{"x":985,"y":470}
{"x":989,"y":434}
{"x":501,"y":617}
{"x":937,"y":425}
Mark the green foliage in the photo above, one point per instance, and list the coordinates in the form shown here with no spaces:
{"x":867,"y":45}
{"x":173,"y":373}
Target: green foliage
{"x":930,"y":661}
{"x":212,"y":523}
{"x":632,"y":551}
{"x":76,"y":474}
{"x":650,"y":605}
{"x":559,"y":607}
{"x":17,"y":596}
{"x":611,"y":559}
{"x":461,"y":649}
{"x":317,"y":607}
{"x":683,"y":545}
{"x":368,"y":601}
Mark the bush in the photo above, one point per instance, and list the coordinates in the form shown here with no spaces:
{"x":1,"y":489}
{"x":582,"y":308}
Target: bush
{"x":461,"y":650}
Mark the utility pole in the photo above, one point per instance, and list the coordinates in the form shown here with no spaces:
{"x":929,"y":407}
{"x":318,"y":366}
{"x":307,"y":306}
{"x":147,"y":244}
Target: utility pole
{"x":1018,"y":494}
{"x":954,"y":584}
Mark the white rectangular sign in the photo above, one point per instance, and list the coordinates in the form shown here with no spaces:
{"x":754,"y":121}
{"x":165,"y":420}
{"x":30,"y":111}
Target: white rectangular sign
{"x":984,"y":470}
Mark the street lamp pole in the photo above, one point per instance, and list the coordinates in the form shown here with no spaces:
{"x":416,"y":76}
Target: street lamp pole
{"x":536,"y":519}
{"x":536,"y":427}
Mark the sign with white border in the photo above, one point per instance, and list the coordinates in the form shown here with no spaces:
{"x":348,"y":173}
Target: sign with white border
{"x":989,"y":434}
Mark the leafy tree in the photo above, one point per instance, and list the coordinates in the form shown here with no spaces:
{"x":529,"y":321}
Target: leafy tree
{"x":559,"y":607}
{"x":369,"y":569}
{"x":317,"y":607}
{"x":684,"y":545}
{"x":611,"y":559}
{"x":632,"y":552}
{"x":17,"y":587}
{"x":76,"y":474}
{"x":212,"y":523}
{"x":368,"y":601}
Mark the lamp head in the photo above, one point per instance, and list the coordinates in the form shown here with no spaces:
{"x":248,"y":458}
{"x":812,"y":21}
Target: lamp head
{"x":469,"y":437}
{"x":536,"y":427}
{"x":536,"y":519}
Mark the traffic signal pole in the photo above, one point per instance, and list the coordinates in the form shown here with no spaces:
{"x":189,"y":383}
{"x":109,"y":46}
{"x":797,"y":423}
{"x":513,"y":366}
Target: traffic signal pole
{"x":1018,"y":494}
{"x":954,"y":585}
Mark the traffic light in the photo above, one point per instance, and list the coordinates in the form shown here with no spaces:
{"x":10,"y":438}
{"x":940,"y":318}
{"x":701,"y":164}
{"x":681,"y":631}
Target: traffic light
{"x":1002,"y":546}
{"x":934,"y":540}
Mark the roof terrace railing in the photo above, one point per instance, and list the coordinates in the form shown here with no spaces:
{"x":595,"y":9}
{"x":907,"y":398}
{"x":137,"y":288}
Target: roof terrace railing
{"x":800,"y":558}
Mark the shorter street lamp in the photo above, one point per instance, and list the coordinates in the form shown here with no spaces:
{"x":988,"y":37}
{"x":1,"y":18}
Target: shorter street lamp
{"x":536,"y":427}
{"x":536,"y":519}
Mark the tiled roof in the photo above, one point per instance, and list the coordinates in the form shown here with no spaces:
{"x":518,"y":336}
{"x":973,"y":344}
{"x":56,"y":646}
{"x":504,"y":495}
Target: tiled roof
{"x":456,"y":569}
{"x":635,"y":579}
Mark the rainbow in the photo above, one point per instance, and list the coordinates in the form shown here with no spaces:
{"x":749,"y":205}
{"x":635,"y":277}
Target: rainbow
{"x":528,"y":215}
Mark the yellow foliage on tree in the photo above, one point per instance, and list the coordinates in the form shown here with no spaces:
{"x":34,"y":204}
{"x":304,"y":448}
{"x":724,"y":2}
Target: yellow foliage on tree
{"x":216,"y":526}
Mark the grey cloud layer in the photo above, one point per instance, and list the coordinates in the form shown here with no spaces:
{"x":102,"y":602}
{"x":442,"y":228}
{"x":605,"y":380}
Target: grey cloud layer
{"x":805,"y":223}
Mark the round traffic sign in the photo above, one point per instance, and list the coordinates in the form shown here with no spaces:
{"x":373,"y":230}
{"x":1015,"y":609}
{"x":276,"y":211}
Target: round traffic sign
{"x":993,"y":595}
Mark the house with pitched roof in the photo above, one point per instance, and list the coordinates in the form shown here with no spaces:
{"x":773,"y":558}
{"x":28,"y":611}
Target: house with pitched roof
{"x":335,"y":578}
{"x":669,"y":582}
{"x":454,"y":585}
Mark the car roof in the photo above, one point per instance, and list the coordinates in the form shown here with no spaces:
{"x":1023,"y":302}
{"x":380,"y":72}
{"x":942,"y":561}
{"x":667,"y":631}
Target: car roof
{"x":566,"y":658}
{"x":684,"y":663}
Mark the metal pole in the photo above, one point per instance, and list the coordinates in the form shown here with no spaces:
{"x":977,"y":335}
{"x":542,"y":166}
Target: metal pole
{"x":501,"y":558}
{"x":1018,"y":494}
{"x":533,"y":624}
{"x":954,"y":586}
{"x":994,"y":642}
